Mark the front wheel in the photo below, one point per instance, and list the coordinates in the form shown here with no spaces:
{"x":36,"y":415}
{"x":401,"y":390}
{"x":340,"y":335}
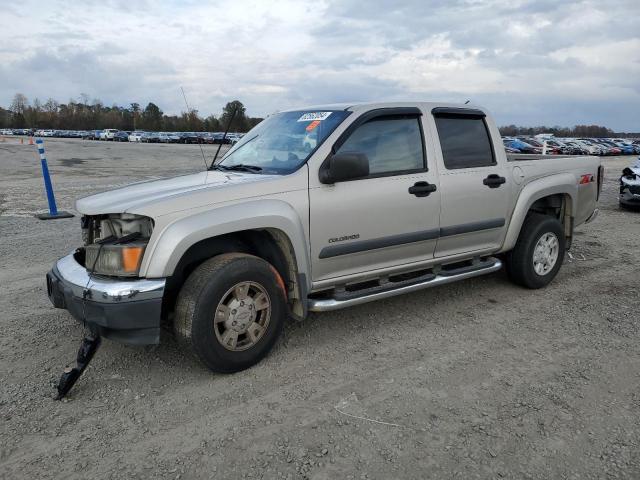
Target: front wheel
{"x":539,"y":252}
{"x":231,"y":311}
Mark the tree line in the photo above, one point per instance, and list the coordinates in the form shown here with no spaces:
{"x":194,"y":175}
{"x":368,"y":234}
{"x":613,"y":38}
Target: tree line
{"x":587,"y":131}
{"x":83,"y":114}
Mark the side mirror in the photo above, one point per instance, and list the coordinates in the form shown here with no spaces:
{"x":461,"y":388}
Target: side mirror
{"x":341,"y":167}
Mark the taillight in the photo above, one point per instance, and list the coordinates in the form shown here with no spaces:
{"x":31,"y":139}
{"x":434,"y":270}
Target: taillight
{"x":600,"y":180}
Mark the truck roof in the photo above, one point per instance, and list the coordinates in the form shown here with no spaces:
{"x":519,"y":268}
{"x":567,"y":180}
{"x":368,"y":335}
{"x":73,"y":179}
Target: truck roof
{"x":359,"y":106}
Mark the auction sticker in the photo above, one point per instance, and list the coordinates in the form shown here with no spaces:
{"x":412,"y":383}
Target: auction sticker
{"x":312,"y":116}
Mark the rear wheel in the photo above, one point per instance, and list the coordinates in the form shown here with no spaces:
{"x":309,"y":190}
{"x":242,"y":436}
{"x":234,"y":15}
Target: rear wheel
{"x":231,"y":311}
{"x":539,"y":252}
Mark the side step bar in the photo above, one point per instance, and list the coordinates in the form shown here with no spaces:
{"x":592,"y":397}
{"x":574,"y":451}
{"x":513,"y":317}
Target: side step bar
{"x":369,"y":295}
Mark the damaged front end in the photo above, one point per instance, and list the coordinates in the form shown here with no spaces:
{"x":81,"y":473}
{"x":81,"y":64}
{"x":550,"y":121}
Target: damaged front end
{"x":630,"y":186}
{"x":100,"y":283}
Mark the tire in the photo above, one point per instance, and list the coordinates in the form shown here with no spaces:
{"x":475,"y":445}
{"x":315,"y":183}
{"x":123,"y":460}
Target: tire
{"x":522,"y":267}
{"x":212,"y":291}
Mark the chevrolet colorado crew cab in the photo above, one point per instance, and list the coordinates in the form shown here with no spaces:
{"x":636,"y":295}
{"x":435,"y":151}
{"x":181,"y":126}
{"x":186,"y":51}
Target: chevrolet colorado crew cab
{"x":318,"y":209}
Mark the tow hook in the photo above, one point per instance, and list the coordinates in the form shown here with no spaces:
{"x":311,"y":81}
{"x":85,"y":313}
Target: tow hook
{"x":70,"y":376}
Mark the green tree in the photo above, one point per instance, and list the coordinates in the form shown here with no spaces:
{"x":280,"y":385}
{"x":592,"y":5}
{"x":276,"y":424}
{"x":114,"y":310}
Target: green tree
{"x":240,"y":122}
{"x":135,"y":114}
{"x":212,"y":124}
{"x":4,"y":118}
{"x":190,"y":122}
{"x":152,"y":117}
{"x":18,"y":108}
{"x":32,"y":114}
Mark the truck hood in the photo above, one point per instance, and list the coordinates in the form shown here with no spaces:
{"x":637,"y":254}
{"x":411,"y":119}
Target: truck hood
{"x":169,"y":195}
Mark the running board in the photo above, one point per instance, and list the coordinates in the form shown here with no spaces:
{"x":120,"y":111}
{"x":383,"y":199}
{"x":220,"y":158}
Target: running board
{"x":371,"y":294}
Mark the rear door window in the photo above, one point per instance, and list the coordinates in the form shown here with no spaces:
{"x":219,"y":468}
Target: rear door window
{"x":465,"y":142}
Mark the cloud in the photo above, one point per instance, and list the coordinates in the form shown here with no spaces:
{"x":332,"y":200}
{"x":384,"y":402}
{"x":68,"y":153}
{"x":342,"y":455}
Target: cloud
{"x":529,"y":62}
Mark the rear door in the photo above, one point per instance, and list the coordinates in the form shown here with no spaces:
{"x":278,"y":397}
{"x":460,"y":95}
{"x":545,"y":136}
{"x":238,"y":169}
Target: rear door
{"x":474,"y":186}
{"x":387,"y":219}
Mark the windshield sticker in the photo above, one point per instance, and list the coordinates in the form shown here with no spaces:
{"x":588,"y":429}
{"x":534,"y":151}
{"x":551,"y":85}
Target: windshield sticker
{"x":313,"y":116}
{"x":312,"y":125}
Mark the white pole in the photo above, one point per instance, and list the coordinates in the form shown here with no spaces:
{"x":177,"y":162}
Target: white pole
{"x":544,"y":147}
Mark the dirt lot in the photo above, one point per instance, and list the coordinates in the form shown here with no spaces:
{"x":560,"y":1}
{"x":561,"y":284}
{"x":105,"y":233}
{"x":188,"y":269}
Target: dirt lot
{"x":476,"y":380}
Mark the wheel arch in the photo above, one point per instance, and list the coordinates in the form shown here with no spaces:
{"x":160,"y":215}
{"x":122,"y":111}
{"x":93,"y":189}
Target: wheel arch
{"x":274,"y":232}
{"x":555,"y":196}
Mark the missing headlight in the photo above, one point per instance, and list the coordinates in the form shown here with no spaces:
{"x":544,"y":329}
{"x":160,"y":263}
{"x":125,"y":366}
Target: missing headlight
{"x":96,"y":228}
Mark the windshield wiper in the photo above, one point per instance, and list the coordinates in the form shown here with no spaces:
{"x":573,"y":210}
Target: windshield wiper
{"x":238,"y":168}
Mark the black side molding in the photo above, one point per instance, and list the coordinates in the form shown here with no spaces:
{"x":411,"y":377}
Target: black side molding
{"x":404,"y":238}
{"x":374,"y":243}
{"x":471,"y":227}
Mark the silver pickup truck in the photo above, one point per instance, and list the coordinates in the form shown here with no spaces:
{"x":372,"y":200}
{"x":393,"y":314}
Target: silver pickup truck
{"x":318,"y":209}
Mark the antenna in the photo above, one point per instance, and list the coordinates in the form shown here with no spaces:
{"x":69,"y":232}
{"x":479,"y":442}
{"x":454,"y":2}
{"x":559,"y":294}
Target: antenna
{"x":233,"y":115}
{"x":199,"y":144}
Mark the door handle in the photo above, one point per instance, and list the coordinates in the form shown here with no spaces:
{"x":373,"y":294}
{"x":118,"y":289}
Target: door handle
{"x":422,"y":189}
{"x":494,"y":181}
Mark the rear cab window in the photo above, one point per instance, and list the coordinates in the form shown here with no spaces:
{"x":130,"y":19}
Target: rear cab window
{"x":464,"y":139}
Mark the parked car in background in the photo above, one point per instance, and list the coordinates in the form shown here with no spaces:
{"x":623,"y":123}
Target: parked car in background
{"x":233,"y":138}
{"x":592,"y":147}
{"x":557,"y":145}
{"x":163,"y":137}
{"x":92,"y":135}
{"x":630,"y":186}
{"x":136,"y":136}
{"x":170,"y":137}
{"x":150,"y":137}
{"x":190,"y":137}
{"x":523,"y":147}
{"x":218,"y":137}
{"x":612,"y":148}
{"x":550,"y":149}
{"x":624,"y":147}
{"x":573,"y":148}
{"x":108,"y":133}
{"x":121,"y":136}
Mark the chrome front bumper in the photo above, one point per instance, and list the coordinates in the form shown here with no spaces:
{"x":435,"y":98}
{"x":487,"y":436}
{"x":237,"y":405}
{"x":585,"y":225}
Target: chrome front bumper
{"x":128,"y":311}
{"x":107,"y":290}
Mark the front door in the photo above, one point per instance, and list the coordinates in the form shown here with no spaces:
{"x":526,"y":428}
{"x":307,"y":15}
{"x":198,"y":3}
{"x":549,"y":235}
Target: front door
{"x":387,"y":219}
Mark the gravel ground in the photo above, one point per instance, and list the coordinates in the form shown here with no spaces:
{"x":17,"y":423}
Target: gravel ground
{"x":480,"y":379}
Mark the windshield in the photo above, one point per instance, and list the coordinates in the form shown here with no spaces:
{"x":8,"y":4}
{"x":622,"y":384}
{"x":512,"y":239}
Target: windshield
{"x":282,"y":142}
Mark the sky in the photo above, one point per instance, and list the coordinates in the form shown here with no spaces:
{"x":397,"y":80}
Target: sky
{"x":529,"y":62}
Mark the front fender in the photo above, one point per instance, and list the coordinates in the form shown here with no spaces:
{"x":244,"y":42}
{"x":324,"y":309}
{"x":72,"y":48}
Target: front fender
{"x":176,"y":238}
{"x":563,"y":183}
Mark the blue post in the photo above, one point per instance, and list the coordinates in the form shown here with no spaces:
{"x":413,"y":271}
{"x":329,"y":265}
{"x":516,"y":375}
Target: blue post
{"x":53,"y":209}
